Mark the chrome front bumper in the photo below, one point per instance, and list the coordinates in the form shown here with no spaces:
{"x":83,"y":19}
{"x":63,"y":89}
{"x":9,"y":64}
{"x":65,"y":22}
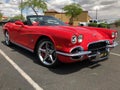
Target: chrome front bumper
{"x":82,"y":53}
{"x":76,"y":54}
{"x":113,"y":45}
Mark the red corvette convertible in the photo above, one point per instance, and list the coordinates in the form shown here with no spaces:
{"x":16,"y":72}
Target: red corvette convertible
{"x":54,"y":41}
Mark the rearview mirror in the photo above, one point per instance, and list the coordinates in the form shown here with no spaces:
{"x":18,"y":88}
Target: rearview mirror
{"x":19,"y":23}
{"x":66,"y":23}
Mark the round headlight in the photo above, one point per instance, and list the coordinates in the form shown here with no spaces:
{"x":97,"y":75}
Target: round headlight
{"x":80,"y":38}
{"x":74,"y":39}
{"x":113,"y":34}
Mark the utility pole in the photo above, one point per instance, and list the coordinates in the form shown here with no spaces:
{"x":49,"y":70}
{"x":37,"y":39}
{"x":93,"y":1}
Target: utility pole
{"x":21,"y":9}
{"x":96,"y":14}
{"x":96,"y":8}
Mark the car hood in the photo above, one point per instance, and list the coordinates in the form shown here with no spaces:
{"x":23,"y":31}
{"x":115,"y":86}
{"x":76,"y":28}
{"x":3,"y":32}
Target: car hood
{"x":88,"y":32}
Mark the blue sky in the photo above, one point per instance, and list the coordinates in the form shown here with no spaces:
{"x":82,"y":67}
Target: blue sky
{"x":107,"y":9}
{"x":7,"y":1}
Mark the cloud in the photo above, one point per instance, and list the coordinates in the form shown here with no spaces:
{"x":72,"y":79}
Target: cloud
{"x":1,"y":1}
{"x":108,"y":2}
{"x":58,"y":4}
{"x":9,"y":9}
{"x":85,"y":2}
{"x":107,"y":8}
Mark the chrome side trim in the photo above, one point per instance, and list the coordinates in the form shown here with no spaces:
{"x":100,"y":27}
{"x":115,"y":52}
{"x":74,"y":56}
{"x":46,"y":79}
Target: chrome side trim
{"x":73,"y":55}
{"x":113,"y":45}
{"x":22,"y":46}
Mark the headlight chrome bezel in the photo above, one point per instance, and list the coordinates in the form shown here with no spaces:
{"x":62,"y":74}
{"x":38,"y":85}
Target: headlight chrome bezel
{"x":113,"y":35}
{"x":74,"y":39}
{"x":80,"y":38}
{"x":77,"y":39}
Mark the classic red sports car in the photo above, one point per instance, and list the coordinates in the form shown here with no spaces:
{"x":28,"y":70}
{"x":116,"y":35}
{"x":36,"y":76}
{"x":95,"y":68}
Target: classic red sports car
{"x":54,"y":41}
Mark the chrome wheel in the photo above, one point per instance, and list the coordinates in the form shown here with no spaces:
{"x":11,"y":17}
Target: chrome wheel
{"x":47,"y":53}
{"x":7,"y":38}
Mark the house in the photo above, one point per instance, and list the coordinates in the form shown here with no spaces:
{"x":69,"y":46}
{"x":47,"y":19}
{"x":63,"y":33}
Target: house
{"x":83,"y":17}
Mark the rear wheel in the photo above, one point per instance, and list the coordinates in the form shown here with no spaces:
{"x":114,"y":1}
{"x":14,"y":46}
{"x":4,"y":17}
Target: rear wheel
{"x":46,"y":53}
{"x":7,"y":39}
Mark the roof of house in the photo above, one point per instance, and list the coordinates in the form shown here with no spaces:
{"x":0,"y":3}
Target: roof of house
{"x":54,"y":11}
{"x":51,"y":11}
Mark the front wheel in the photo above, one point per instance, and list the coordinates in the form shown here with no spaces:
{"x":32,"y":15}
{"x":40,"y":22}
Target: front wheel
{"x":46,"y":53}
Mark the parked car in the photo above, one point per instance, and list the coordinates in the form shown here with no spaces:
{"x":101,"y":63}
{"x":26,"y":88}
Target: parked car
{"x":53,"y":41}
{"x":94,"y":21}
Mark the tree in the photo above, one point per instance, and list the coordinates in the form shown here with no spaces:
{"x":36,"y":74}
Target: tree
{"x":117,"y":23}
{"x":18,"y":17}
{"x":1,"y":15}
{"x":40,"y":4}
{"x":72,"y":10}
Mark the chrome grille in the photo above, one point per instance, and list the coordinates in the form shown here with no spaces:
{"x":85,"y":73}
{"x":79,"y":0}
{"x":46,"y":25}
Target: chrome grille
{"x":98,"y":46}
{"x":100,"y":49}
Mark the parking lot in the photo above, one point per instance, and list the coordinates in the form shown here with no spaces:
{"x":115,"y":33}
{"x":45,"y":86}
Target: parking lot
{"x":19,"y":70}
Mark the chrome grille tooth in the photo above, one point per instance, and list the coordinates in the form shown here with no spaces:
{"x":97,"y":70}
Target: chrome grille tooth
{"x":97,"y":46}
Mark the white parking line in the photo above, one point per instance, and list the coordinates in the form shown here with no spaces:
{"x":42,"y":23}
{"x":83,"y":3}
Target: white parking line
{"x":24,"y":75}
{"x":115,"y":54}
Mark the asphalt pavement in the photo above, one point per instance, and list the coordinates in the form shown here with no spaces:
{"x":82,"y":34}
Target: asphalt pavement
{"x":30,"y":75}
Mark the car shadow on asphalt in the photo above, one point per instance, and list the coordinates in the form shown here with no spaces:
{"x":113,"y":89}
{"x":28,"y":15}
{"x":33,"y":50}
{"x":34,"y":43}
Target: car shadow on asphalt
{"x":61,"y":69}
{"x":74,"y":67}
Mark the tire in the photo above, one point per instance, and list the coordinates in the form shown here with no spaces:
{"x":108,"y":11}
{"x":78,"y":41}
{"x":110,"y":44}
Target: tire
{"x":7,"y":38}
{"x":46,"y":53}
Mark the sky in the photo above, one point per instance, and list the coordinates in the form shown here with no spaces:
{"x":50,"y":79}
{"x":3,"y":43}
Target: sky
{"x":106,"y":9}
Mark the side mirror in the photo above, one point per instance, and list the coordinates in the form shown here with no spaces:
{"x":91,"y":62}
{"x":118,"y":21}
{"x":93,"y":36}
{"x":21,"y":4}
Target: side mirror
{"x":19,"y":23}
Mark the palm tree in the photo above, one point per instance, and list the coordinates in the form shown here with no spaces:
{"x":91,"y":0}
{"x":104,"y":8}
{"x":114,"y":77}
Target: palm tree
{"x":40,"y":4}
{"x":72,"y":10}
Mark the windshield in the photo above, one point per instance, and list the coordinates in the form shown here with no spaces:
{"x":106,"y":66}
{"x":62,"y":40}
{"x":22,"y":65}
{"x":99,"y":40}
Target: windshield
{"x":45,"y":20}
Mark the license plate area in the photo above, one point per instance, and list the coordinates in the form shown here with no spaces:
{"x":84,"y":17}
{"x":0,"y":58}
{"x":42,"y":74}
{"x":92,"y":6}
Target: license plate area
{"x":103,"y":54}
{"x":99,"y":55}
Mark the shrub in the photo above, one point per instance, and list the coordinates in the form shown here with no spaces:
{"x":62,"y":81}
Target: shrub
{"x":93,"y":24}
{"x":103,"y":25}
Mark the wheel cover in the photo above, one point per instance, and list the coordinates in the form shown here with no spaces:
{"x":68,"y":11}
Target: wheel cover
{"x":7,"y":38}
{"x":47,"y":53}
